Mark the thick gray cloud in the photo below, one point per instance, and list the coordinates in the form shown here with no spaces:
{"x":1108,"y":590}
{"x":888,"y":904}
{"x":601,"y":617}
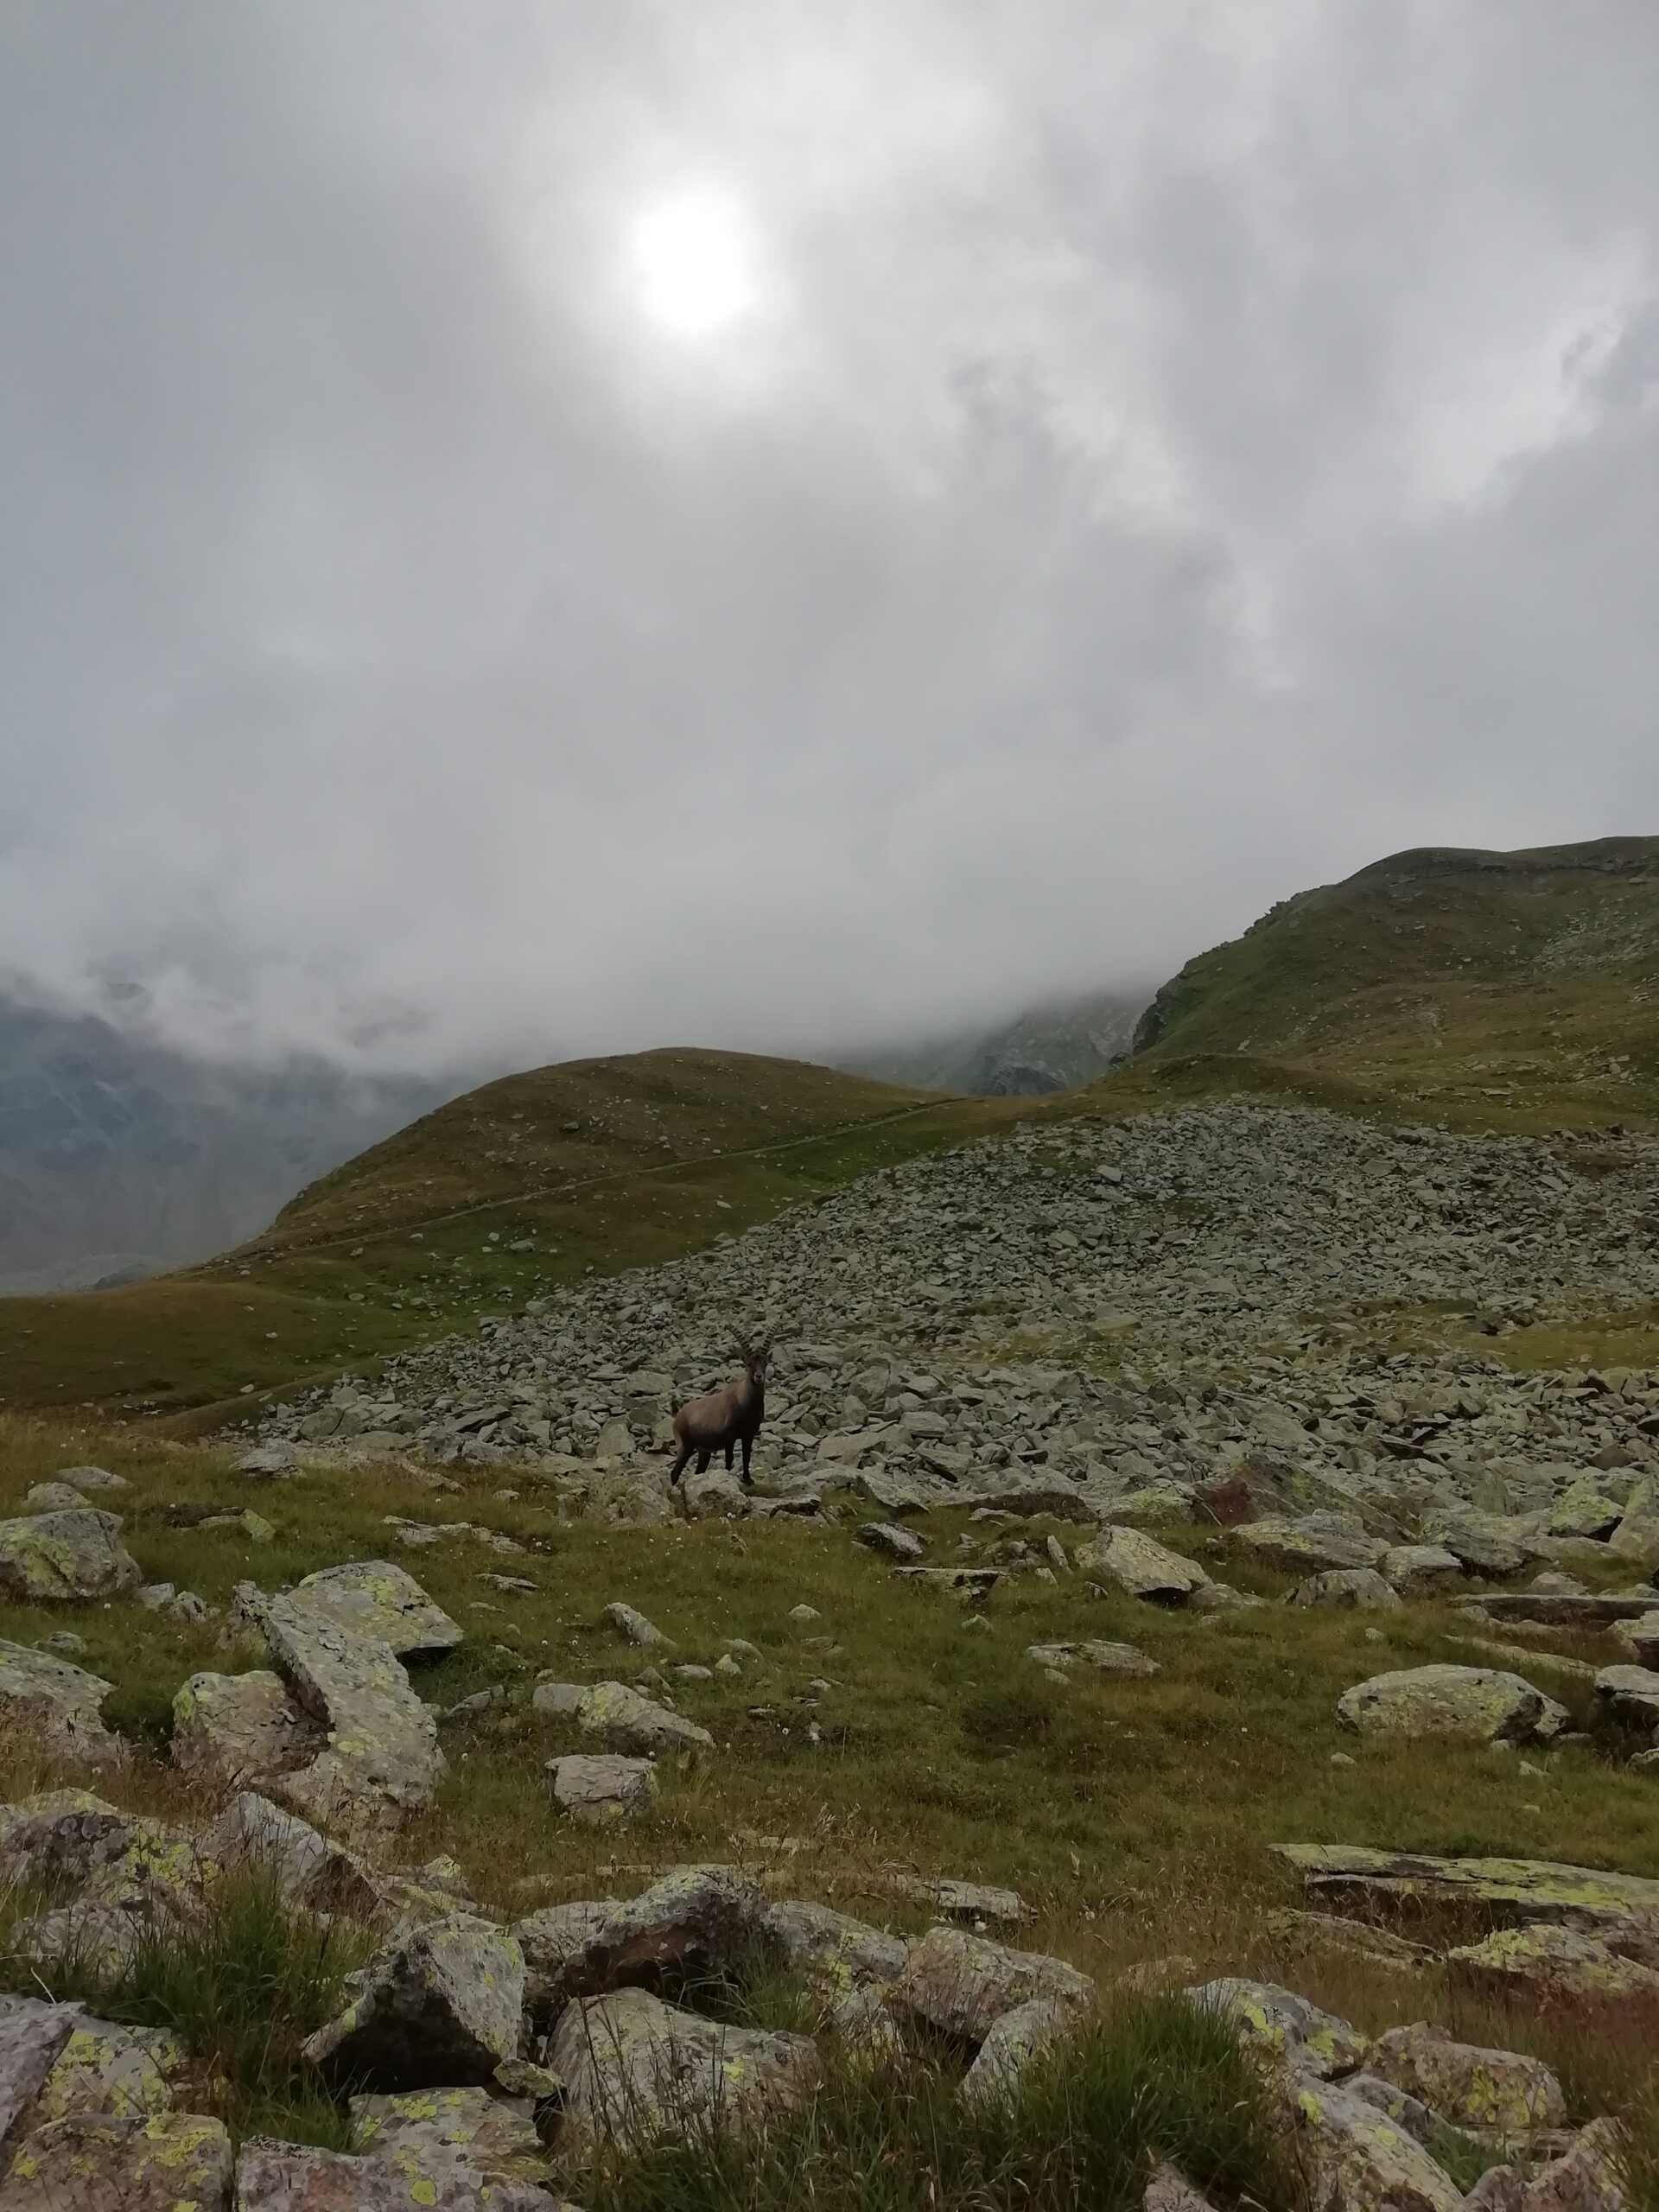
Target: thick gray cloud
{"x":1164,"y":455}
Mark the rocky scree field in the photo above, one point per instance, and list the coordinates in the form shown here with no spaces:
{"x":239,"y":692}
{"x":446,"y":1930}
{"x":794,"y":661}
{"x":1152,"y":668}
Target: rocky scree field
{"x":1176,"y":1714}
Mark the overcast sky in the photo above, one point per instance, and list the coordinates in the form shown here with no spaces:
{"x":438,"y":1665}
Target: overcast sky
{"x":531,"y":529}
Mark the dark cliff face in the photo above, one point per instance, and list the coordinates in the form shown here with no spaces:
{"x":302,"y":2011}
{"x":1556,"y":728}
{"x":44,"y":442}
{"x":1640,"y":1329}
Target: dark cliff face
{"x":118,"y":1156}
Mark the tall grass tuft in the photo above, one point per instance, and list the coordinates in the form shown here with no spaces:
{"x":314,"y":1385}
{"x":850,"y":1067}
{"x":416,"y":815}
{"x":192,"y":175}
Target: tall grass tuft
{"x":241,"y":1984}
{"x":1154,"y":2079}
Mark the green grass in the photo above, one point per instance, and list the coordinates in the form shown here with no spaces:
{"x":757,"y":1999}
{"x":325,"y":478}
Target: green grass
{"x":1154,"y":2079}
{"x":241,"y":1987}
{"x":502,"y":1196}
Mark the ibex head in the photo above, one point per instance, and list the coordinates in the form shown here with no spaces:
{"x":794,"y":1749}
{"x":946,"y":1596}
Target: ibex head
{"x":754,"y":1357}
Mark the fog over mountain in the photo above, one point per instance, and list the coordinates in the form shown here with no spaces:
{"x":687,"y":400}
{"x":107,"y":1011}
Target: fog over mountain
{"x":533,"y":528}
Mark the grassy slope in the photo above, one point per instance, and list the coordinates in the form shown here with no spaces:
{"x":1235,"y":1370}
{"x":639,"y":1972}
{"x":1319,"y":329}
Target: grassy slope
{"x":1136,"y":1817}
{"x":1516,"y":989}
{"x":521,"y":1186}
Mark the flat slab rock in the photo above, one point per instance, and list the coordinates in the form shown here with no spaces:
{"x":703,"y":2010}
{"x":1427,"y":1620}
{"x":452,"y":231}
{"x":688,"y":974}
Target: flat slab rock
{"x":1139,"y":1564}
{"x":377,"y":1598}
{"x":97,"y":2162}
{"x":968,"y":1900}
{"x":1313,"y":1544}
{"x":66,"y":1558}
{"x":58,"y":1701}
{"x":442,"y":2009}
{"x":292,"y":2177}
{"x":1126,"y":1659}
{"x":1476,"y":1704}
{"x":634,"y":2068}
{"x":1524,"y":1889}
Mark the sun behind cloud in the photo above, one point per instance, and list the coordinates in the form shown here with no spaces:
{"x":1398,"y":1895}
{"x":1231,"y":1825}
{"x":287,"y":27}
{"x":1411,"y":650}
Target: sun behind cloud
{"x":692,"y":258}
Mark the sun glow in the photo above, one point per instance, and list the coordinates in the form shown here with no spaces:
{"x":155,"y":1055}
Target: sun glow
{"x":693,"y":262}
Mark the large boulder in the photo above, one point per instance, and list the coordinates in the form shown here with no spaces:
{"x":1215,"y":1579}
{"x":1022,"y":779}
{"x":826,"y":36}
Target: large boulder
{"x":60,"y":1558}
{"x":634,"y":2068}
{"x":963,"y":1984}
{"x":1630,"y":1694}
{"x":625,"y":1717}
{"x":100,"y":2162}
{"x":383,"y":1753}
{"x":442,"y":2009}
{"x":1467,"y":2085}
{"x":1285,"y":2026}
{"x":58,"y":1701}
{"x":373,"y":1597}
{"x":242,"y":1728}
{"x":1313,"y":1544}
{"x":1548,"y":1965}
{"x":1139,"y":1564}
{"x":293,"y":2177}
{"x":1475,"y":1704}
{"x":703,"y":1920}
{"x":1362,"y":2160}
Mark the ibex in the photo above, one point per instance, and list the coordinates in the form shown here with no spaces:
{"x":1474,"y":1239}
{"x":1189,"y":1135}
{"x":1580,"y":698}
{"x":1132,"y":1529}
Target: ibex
{"x":725,"y":1417}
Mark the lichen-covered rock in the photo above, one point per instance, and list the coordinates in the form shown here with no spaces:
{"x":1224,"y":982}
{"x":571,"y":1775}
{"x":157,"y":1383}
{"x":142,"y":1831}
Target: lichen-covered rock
{"x":1396,"y":2104}
{"x":699,"y":1919}
{"x":60,"y":1558}
{"x":1467,"y":2085}
{"x":1520,"y":1888}
{"x":58,"y":1701}
{"x":1485,"y":1544}
{"x":423,"y":2133}
{"x":890,"y":1541}
{"x":373,"y":1597}
{"x":33,"y":2032}
{"x":103,"y":2068}
{"x":1552,"y":1964}
{"x":1584,"y":1510}
{"x":1286,"y":2026}
{"x":963,"y":1984}
{"x":834,"y":1950}
{"x":1636,"y":1536}
{"x":1418,"y":1567}
{"x":604,"y":1788}
{"x":382,"y":1742}
{"x":1363,"y":2161}
{"x":634,"y":2068}
{"x":1361,"y":1588}
{"x":245,"y":1726}
{"x":97,"y":2162}
{"x":54,"y":1497}
{"x":1476,"y":1704}
{"x":61,"y":1836}
{"x":293,"y":2177}
{"x":1012,"y":2042}
{"x":1584,"y":2179}
{"x":1313,"y":1544}
{"x":443,"y":2009}
{"x":623,"y":1716}
{"x":1631,"y":1695}
{"x":1125,"y":1659}
{"x":1640,"y":1638}
{"x":310,"y":1868}
{"x":1139,"y":1564}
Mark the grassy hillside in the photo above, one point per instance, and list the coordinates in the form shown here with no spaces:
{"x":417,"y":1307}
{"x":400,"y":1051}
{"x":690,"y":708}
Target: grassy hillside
{"x":532,"y":1181}
{"x":1510,"y":988}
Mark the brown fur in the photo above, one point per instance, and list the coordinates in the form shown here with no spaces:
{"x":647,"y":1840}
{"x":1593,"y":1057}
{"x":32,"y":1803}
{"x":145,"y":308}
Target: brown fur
{"x":727,"y":1417}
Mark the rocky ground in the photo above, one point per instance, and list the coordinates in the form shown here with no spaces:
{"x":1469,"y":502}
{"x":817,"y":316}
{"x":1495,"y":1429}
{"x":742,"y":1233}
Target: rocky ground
{"x":1217,"y":1269}
{"x":1085,"y":1371}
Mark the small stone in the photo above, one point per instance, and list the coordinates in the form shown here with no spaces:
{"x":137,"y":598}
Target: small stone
{"x":623,"y":1716}
{"x":804,"y":1613}
{"x":892,"y":1541}
{"x":634,"y":1625}
{"x":1124,"y":1659}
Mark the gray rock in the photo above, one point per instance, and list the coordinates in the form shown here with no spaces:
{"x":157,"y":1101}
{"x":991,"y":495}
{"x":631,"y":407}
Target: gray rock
{"x":441,"y":2011}
{"x":269,"y":1462}
{"x":963,"y":1984}
{"x":1362,"y":2161}
{"x":1318,"y":1542}
{"x":426,"y":2134}
{"x":244,"y":1726}
{"x":893,"y":1542}
{"x":1015,"y":2041}
{"x":92,"y":1478}
{"x":67,"y":1558}
{"x":1631,"y":1695}
{"x":381,"y":1602}
{"x":1126,"y":1659}
{"x":102,"y":2162}
{"x":603,"y":1788}
{"x":700,"y":1921}
{"x":634,"y":2069}
{"x":1418,"y":1567}
{"x":32,"y":2034}
{"x":60,"y":1703}
{"x":634,"y":1625}
{"x":1286,"y":2026}
{"x":294,"y":2177}
{"x":1478,"y":1704}
{"x":1146,"y":1569}
{"x":1360,"y":1587}
{"x":832,"y":1947}
{"x":564,"y":1698}
{"x":1467,"y":2085}
{"x":54,"y":1497}
{"x":622,"y":1716}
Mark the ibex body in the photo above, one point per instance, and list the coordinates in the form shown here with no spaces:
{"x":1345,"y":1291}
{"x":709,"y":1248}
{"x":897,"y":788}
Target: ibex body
{"x":727,"y":1417}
